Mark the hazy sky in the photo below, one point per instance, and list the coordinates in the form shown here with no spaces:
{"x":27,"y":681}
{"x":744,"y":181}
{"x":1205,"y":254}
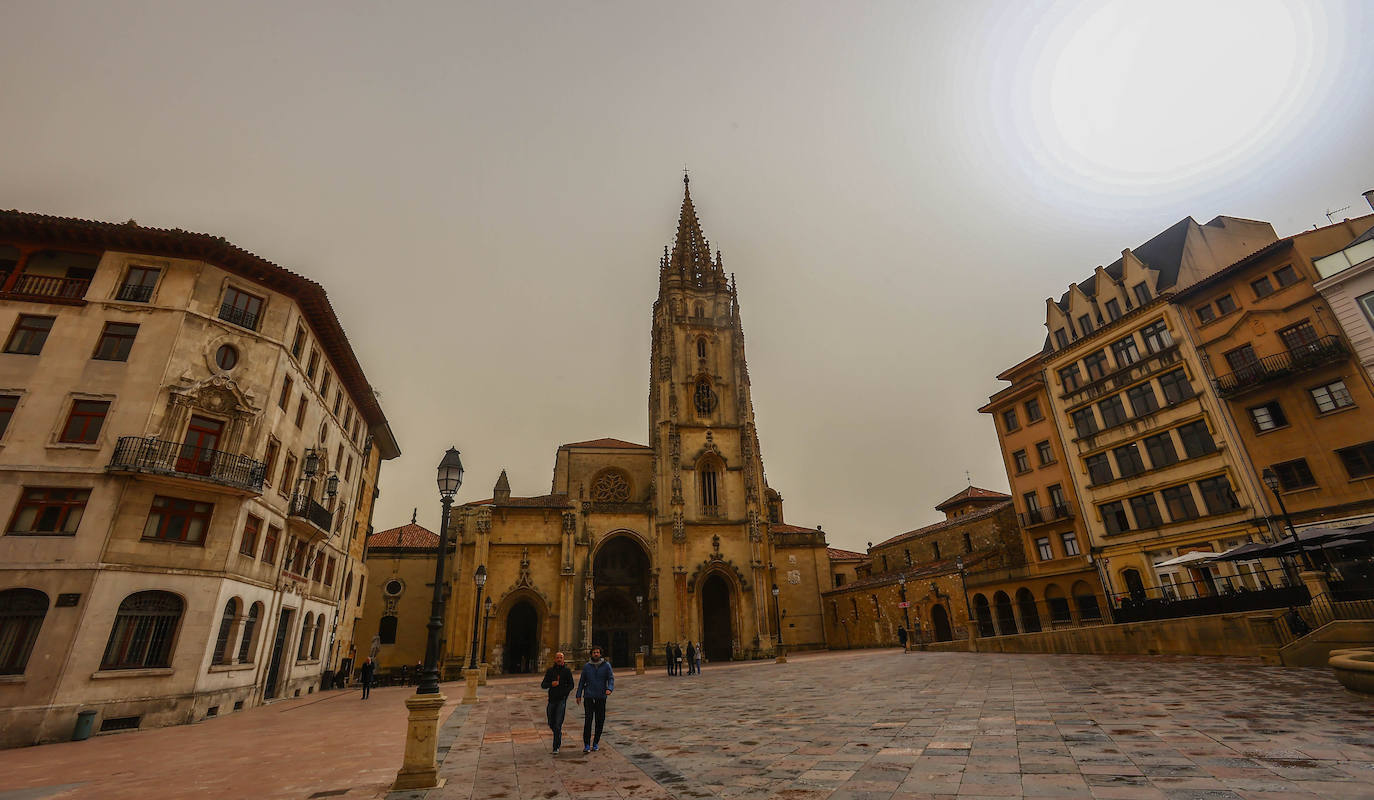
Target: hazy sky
{"x":485,"y":190}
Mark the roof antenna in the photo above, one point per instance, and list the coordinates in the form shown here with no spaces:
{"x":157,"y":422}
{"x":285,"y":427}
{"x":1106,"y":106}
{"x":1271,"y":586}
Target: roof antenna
{"x":1331,"y":215}
{"x":413,"y":512}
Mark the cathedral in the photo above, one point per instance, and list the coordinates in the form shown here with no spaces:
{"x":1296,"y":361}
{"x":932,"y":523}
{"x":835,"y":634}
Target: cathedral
{"x":640,"y":545}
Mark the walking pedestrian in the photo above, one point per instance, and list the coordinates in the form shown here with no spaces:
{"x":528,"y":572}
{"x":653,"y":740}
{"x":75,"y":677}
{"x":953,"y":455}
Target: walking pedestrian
{"x":901,"y":636}
{"x":596,"y":684}
{"x":691,"y":659}
{"x":699,"y":658}
{"x":369,"y":669}
{"x":559,"y":681}
{"x":677,"y":655}
{"x":668,"y":656}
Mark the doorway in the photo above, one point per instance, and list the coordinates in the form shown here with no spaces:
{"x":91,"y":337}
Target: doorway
{"x":939,"y":618}
{"x":521,"y":652}
{"x":199,"y":446}
{"x":278,"y":648}
{"x":717,"y":621}
{"x":620,"y":621}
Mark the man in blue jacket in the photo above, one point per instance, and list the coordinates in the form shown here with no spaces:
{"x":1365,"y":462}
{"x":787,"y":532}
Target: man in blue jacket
{"x":595,"y":685}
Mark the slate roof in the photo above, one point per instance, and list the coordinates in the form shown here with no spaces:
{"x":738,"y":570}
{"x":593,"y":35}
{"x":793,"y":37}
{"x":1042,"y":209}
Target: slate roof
{"x":614,"y":444}
{"x":407,"y":537}
{"x":1163,"y":252}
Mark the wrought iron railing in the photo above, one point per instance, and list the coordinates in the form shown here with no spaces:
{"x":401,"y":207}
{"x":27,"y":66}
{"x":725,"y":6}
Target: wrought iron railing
{"x":1290,"y":362}
{"x":1256,"y":590}
{"x":142,"y":454}
{"x":1301,"y":620}
{"x":239,"y":317}
{"x":30,"y":285}
{"x":134,"y":293}
{"x":1043,"y":516}
{"x":304,"y":508}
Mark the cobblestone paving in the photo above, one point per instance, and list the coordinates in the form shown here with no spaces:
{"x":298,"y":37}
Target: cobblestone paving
{"x":881,"y":725}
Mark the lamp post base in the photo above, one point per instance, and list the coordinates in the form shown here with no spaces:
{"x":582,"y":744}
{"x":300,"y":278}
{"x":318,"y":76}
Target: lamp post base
{"x":470,"y":695}
{"x":420,"y":767}
{"x":782,"y":655}
{"x":482,"y":674}
{"x":639,"y":663}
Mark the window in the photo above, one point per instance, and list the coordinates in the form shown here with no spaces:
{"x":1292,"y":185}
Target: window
{"x":935,"y":551}
{"x":968,"y":543}
{"x":1070,"y":377}
{"x":29,"y":334}
{"x":241,"y":308}
{"x":348,"y":418}
{"x":1033,"y":412}
{"x":701,"y":348}
{"x":143,"y":632}
{"x":115,"y":342}
{"x":269,"y":544}
{"x":1095,"y":364}
{"x":1099,"y":469}
{"x":1084,"y":422}
{"x":84,"y":421}
{"x":1146,"y":511}
{"x":1176,"y":387}
{"x":1009,"y":421}
{"x":1294,"y":475}
{"x":284,"y":401}
{"x":307,"y":633}
{"x":1205,"y":313}
{"x":269,"y":460}
{"x":1128,"y":460}
{"x":21,"y":616}
{"x":1085,"y":325}
{"x":1044,"y":452}
{"x":248,"y":545}
{"x":1263,"y":288}
{"x":906,"y":552}
{"x":288,"y":474}
{"x":1126,"y":351}
{"x":298,"y":342}
{"x":1057,"y":501}
{"x":1366,"y":302}
{"x":705,"y":398}
{"x":318,"y":561}
{"x":386,"y":630}
{"x":138,"y":285}
{"x":1299,"y":338}
{"x":1242,"y":360}
{"x":226,"y":626}
{"x":1226,"y":304}
{"x":1358,"y":460}
{"x":1070,"y":541}
{"x":300,"y":412}
{"x":175,"y":520}
{"x":295,"y":561}
{"x":1217,"y":495}
{"x":226,"y":357}
{"x":247,"y":638}
{"x":43,"y":510}
{"x":1142,"y":398}
{"x":348,"y":469}
{"x":1113,"y":411}
{"x":324,"y":384}
{"x":1161,"y":450}
{"x":1022,"y":462}
{"x":1142,"y":293}
{"x":1156,"y":337}
{"x":338,"y":401}
{"x":1114,"y":517}
{"x":1061,"y":338}
{"x":710,"y":500}
{"x":1197,"y":440}
{"x":1179,"y":501}
{"x":1269,"y":416}
{"x":8,"y":403}
{"x":313,"y":365}
{"x":1113,"y":310}
{"x":1032,"y":500}
{"x":1043,"y":549}
{"x":1286,"y":275}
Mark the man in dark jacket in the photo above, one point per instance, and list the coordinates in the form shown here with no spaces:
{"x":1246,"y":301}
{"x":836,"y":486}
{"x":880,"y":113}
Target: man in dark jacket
{"x":559,"y":681}
{"x":598,"y":680}
{"x":677,"y":657}
{"x":368,"y":670}
{"x":691,"y":659}
{"x":668,"y":656}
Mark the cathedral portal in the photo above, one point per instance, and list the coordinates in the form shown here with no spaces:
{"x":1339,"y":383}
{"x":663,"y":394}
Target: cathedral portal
{"x":620,"y":580}
{"x":521,"y":652}
{"x":717,"y":619}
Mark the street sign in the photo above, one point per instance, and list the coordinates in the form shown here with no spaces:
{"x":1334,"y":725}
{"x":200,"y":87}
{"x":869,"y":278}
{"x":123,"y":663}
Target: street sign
{"x":904,"y":604}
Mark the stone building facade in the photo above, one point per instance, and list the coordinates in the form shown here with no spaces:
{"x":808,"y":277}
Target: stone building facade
{"x":397,"y":601}
{"x":166,"y":555}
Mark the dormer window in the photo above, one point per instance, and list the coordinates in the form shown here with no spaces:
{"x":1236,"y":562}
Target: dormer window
{"x":1113,"y":310}
{"x":1141,"y":292}
{"x":1061,"y":338}
{"x":1085,"y":325}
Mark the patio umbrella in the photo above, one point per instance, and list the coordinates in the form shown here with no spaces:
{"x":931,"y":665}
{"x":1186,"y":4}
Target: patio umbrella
{"x":1189,"y":558}
{"x":1249,"y":550}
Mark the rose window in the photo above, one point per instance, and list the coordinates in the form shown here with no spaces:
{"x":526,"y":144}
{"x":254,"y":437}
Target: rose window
{"x":611,"y":487}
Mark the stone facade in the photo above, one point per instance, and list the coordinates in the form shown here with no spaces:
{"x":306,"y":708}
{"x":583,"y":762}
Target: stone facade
{"x":163,"y":561}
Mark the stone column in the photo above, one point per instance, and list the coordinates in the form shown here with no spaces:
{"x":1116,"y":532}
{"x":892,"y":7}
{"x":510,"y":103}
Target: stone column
{"x":420,"y":767}
{"x":470,"y":695}
{"x":1315,"y":581}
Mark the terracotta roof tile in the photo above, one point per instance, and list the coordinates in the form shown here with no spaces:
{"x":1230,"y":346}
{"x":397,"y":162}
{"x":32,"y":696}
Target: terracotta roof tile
{"x":973,"y":493}
{"x":949,"y":523}
{"x":407,"y":537}
{"x":543,"y":501}
{"x":836,"y":554}
{"x":777,"y":527}
{"x":615,"y":444}
{"x":929,"y":569}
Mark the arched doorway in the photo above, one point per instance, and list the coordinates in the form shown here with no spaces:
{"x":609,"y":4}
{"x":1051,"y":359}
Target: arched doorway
{"x":1134,"y":585}
{"x":983,"y":613}
{"x":620,"y":611}
{"x":521,"y":648}
{"x":1006,"y":618}
{"x":717,"y":619}
{"x":939,"y":619}
{"x":1030,"y":615}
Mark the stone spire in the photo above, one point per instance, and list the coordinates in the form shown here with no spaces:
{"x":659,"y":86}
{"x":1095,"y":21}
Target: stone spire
{"x":501,"y":492}
{"x":690,"y":259}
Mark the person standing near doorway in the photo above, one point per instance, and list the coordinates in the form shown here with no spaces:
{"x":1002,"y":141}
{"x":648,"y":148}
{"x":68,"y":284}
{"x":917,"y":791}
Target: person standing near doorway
{"x":596,"y":684}
{"x":369,"y":669}
{"x":677,"y":656}
{"x":559,"y":681}
{"x":668,"y":656}
{"x":691,"y":659}
{"x":699,"y":659}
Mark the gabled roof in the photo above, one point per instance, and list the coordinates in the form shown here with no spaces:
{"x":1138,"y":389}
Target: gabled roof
{"x":972,"y":493}
{"x":836,"y":554}
{"x":407,"y":537}
{"x":610,"y":444}
{"x":1163,"y":252}
{"x":778,"y":527}
{"x":542,"y":501}
{"x":952,"y":522}
{"x":929,"y":569}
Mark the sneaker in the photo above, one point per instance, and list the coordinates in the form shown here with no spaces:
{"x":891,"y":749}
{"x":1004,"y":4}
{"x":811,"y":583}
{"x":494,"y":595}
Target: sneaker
{"x":596,"y":747}
{"x":555,"y":751}
{"x":586,"y":748}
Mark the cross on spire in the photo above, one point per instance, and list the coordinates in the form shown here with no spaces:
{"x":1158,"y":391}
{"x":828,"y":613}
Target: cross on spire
{"x":690,"y":258}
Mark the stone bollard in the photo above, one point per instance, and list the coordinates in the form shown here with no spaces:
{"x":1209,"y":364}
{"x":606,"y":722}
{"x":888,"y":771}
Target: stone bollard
{"x":639,"y":663}
{"x":470,"y":696}
{"x":420,"y":767}
{"x":782,"y":655}
{"x":482,"y":674}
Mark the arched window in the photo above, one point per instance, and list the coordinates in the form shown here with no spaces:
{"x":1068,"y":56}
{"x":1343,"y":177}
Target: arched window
{"x":701,"y":347}
{"x":319,"y":637}
{"x":21,"y":616}
{"x":1058,"y":604}
{"x":709,"y":477}
{"x":386,"y":631}
{"x":248,"y":641}
{"x":1085,"y":600}
{"x":705,"y":397}
{"x":143,"y":632}
{"x":1134,"y":584}
{"x":307,"y":632}
{"x":700,"y":310}
{"x":223,"y":654}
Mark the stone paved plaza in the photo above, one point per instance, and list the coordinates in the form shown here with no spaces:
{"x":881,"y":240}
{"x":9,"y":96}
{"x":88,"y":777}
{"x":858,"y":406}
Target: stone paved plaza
{"x":868,"y":724}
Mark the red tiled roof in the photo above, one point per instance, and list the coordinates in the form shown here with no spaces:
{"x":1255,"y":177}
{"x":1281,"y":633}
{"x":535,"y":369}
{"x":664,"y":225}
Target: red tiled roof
{"x":949,"y":523}
{"x":616,"y":444}
{"x":176,"y":243}
{"x":543,"y":501}
{"x":836,"y":554}
{"x":946,"y":566}
{"x":409,"y":536}
{"x":973,"y":493}
{"x":777,"y":527}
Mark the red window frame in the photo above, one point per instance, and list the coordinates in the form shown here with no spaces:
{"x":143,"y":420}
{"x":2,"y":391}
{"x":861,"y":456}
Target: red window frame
{"x":84,"y":421}
{"x":248,"y":545}
{"x":174,"y":519}
{"x":52,"y":510}
{"x":248,"y":305}
{"x":329,"y":572}
{"x":269,"y":544}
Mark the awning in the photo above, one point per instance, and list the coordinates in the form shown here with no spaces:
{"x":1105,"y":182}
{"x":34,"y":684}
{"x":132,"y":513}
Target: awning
{"x":1337,"y":543}
{"x":1189,"y":558}
{"x":1247,"y":551}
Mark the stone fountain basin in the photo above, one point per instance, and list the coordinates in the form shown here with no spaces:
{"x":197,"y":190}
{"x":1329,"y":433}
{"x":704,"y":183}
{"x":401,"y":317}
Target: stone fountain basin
{"x":1354,"y":668}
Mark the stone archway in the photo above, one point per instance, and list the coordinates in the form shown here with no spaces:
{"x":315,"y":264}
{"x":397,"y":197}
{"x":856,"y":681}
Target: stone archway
{"x":939,"y":618}
{"x":520,"y":651}
{"x":620,"y":581}
{"x":717,"y":618}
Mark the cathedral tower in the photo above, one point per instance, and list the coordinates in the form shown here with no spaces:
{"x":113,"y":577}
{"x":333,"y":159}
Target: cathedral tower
{"x":710,"y":496}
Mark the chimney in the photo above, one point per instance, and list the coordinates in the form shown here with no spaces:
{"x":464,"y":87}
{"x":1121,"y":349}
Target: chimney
{"x":1369,"y":197}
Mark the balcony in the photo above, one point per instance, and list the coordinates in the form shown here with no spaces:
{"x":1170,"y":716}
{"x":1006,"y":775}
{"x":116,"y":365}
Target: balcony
{"x":239,"y":317}
{"x":176,"y":460}
{"x":1277,"y":367}
{"x":46,"y":288}
{"x":1043,"y":516}
{"x":302,"y":507}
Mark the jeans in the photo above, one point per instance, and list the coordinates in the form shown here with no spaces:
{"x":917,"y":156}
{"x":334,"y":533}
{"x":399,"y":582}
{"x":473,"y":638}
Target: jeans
{"x":367,"y":687}
{"x":594,"y":707}
{"x":556,"y":710}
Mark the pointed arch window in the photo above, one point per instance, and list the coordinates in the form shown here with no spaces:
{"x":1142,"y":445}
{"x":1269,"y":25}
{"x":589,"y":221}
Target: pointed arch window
{"x":701,"y":347}
{"x":21,"y":616}
{"x":705,"y":397}
{"x":709,"y":475}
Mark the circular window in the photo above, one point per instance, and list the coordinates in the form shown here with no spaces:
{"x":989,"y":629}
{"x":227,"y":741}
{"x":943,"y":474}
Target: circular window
{"x":393,"y":587}
{"x":226,"y":357}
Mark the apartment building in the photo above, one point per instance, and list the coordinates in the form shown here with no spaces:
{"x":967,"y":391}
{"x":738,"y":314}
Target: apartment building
{"x":189,"y":450}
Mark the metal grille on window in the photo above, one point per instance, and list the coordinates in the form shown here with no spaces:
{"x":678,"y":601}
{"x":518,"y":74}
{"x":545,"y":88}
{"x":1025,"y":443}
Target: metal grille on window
{"x":21,"y":617}
{"x":705,"y":398}
{"x":143,"y":632}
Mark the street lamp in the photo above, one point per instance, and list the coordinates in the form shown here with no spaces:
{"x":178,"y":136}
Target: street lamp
{"x":777,"y":616}
{"x":1271,"y":479}
{"x":479,"y":578}
{"x":906,"y":613}
{"x":486,"y":623}
{"x":331,"y":485}
{"x":639,"y":623}
{"x":450,"y":477}
{"x":968,"y":610}
{"x":312,"y":463}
